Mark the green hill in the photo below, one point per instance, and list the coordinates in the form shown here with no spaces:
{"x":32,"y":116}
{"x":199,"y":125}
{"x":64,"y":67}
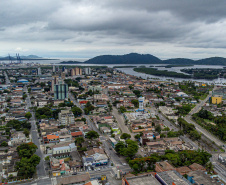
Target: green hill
{"x":132,"y":58}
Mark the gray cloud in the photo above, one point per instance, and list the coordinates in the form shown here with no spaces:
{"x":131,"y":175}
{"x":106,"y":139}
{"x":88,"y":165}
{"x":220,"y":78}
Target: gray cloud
{"x":113,"y":26}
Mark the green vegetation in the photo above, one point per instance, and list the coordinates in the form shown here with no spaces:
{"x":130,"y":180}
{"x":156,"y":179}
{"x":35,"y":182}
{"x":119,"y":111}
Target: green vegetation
{"x":66,"y":104}
{"x":88,"y":107}
{"x":215,"y":125}
{"x":122,"y":109}
{"x":177,"y":159}
{"x":175,"y":133}
{"x":206,"y":73}
{"x":79,"y":141}
{"x":46,"y":112}
{"x":4,"y":144}
{"x":135,"y":103}
{"x":92,"y":135}
{"x":184,"y":109}
{"x":189,"y":128}
{"x":137,"y":93}
{"x":28,"y":160}
{"x":128,"y":149}
{"x":124,"y":66}
{"x":76,"y":111}
{"x":170,"y":66}
{"x":17,"y":125}
{"x":125,"y":136}
{"x":71,"y":82}
{"x":153,"y":71}
{"x":28,"y":115}
{"x":190,"y":89}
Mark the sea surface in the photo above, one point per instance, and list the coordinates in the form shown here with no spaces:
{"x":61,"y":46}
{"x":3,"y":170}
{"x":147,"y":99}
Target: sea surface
{"x":145,"y":76}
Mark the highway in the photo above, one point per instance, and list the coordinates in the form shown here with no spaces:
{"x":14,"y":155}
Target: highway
{"x":207,"y":134}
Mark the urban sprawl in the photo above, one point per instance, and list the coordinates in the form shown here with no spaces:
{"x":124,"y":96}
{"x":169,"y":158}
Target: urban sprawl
{"x":65,"y":125}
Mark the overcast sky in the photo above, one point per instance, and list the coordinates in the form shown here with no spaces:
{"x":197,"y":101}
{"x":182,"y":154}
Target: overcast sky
{"x":87,"y":28}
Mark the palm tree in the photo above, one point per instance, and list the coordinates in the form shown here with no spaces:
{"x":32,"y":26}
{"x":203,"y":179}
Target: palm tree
{"x":209,"y":167}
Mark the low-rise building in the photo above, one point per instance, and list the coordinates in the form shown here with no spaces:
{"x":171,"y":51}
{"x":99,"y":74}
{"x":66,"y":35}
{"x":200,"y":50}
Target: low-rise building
{"x":148,"y":179}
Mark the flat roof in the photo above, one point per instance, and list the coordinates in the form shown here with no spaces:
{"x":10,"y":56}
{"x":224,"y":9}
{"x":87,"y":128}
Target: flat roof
{"x":143,"y":180}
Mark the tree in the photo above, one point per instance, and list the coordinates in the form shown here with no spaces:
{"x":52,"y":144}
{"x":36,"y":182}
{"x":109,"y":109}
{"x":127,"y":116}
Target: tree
{"x":4,"y":144}
{"x":24,"y":96}
{"x":119,"y":147}
{"x":76,"y":111}
{"x":122,"y":109}
{"x":28,"y":115}
{"x":26,"y":149}
{"x":137,"y":136}
{"x":92,"y":135}
{"x":125,"y":136}
{"x":88,"y":107}
{"x":137,"y":93}
{"x":26,"y":132}
{"x":29,"y":89}
{"x":27,"y":166}
{"x":131,"y":148}
{"x":135,"y":103}
{"x":18,"y":125}
{"x":47,"y":158}
{"x":209,"y":167}
{"x":158,"y":129}
{"x":79,"y":140}
{"x":195,"y":135}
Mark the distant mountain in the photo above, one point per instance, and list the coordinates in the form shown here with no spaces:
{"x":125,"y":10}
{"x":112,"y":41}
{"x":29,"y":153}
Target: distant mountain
{"x":179,"y":61}
{"x":132,"y":58}
{"x":212,"y":61}
{"x":30,"y":57}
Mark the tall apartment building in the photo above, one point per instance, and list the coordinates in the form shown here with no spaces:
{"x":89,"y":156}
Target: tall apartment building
{"x":54,"y":68}
{"x":60,"y":91}
{"x":88,"y":71}
{"x":54,"y":82}
{"x":63,"y":68}
{"x":76,"y":71}
{"x":66,"y":117}
{"x":39,"y":71}
{"x":63,"y":75}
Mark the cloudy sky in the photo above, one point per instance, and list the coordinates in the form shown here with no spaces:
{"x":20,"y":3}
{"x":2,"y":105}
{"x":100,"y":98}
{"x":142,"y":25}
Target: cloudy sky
{"x":87,"y":28}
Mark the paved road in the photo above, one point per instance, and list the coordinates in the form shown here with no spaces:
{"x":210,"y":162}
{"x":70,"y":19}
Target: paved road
{"x":34,"y":134}
{"x":188,"y":118}
{"x":121,"y":123}
{"x":7,"y":82}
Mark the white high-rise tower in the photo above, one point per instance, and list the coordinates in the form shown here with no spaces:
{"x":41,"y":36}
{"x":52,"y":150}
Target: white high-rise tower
{"x":141,"y":104}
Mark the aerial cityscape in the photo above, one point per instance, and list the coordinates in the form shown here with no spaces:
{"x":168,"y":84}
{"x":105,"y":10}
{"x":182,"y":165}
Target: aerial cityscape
{"x":112,"y":92}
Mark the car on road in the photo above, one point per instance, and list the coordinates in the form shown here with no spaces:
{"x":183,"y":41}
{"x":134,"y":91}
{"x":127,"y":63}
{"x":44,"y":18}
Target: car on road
{"x":75,"y":173}
{"x":89,"y":168}
{"x":124,"y":164}
{"x":98,"y":169}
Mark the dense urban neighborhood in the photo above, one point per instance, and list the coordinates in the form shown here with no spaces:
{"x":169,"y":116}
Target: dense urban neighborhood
{"x":93,"y":125}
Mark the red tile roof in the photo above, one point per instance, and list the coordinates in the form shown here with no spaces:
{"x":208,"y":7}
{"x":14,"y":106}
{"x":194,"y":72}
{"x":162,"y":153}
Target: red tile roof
{"x":74,"y":134}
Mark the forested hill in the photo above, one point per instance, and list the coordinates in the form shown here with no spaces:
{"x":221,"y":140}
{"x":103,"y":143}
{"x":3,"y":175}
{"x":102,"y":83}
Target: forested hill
{"x":177,"y":61}
{"x":212,"y":61}
{"x":134,"y":58}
